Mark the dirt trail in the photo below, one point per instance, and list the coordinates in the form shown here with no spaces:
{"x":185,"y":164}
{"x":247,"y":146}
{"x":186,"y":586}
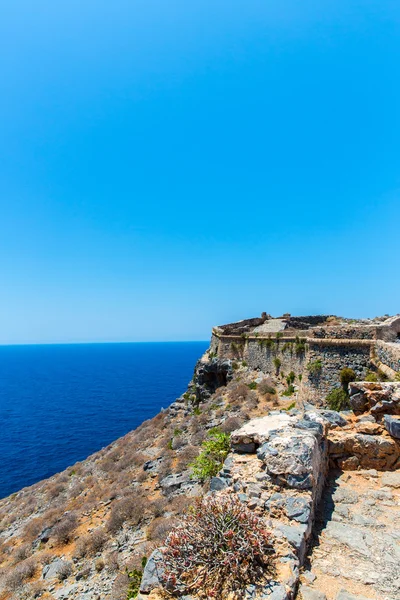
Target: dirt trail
{"x":356,"y":545}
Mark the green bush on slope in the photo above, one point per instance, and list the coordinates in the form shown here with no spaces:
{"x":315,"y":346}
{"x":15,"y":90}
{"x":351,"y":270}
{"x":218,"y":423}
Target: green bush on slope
{"x":214,"y":451}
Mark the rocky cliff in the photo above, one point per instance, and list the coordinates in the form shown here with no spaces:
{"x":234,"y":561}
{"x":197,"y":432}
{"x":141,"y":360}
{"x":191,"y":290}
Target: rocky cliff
{"x":247,"y":430}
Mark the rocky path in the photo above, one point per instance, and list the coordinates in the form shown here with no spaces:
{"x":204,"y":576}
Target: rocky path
{"x":355,"y":553}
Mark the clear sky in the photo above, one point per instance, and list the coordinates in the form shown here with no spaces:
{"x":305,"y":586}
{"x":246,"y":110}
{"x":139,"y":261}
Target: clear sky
{"x":168,"y":166}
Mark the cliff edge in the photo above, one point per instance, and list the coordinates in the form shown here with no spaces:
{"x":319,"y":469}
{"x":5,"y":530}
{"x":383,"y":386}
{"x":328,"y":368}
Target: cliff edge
{"x":283,"y":415}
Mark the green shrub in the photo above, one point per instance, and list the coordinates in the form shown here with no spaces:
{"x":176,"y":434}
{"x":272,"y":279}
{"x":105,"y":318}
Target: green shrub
{"x":135,"y":578}
{"x":371,"y":376}
{"x":346,"y":376}
{"x":315,"y":367}
{"x":214,"y":451}
{"x":244,"y":363}
{"x":300,"y":346}
{"x":397,"y":377}
{"x":291,"y":405}
{"x":252,"y":385}
{"x":269,"y":343}
{"x":277,"y":363}
{"x":338,"y":399}
{"x":290,"y":391}
{"x":382,"y":375}
{"x":196,"y":411}
{"x":300,"y":377}
{"x":287,"y":346}
{"x":235,"y":366}
{"x":291,"y":377}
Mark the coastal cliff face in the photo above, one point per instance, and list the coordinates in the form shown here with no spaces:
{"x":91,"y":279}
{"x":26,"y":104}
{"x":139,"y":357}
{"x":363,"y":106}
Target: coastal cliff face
{"x":84,"y":533}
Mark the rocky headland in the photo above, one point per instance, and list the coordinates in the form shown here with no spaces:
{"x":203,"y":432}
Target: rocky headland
{"x":281,"y":459}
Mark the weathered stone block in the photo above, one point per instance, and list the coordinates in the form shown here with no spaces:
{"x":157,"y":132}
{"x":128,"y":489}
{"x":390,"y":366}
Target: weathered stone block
{"x":217,"y":484}
{"x":393,"y":426}
{"x":309,"y":593}
{"x":152,"y":573}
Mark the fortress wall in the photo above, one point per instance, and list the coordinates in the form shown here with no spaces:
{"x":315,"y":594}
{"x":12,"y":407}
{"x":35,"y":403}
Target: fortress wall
{"x":389,"y":354}
{"x":261,"y":356}
{"x":260,"y":353}
{"x":366,"y":332}
{"x":334,"y":356}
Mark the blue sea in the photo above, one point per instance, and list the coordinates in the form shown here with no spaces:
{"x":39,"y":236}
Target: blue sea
{"x":60,"y":403}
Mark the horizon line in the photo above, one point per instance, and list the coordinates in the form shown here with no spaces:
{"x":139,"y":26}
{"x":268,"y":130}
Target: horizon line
{"x":7,"y":344}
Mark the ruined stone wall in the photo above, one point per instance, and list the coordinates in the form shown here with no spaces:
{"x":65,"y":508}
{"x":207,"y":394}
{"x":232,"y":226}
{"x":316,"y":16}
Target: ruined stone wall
{"x":334,"y":357}
{"x":388,"y":354}
{"x":262,"y":356}
{"x":360,"y":333}
{"x":334,"y":354}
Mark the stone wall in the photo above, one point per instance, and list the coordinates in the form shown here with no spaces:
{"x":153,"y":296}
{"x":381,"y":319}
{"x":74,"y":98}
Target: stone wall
{"x":334,"y":357}
{"x":261,"y":356}
{"x":359,"y":333}
{"x":334,"y":354}
{"x":388,"y":354}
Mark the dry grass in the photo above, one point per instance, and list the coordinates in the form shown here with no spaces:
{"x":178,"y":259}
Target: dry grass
{"x":19,"y":575}
{"x":129,"y":510}
{"x":231,"y":424}
{"x":86,"y":507}
{"x":63,"y":532}
{"x":91,"y":543}
{"x":159,"y":528}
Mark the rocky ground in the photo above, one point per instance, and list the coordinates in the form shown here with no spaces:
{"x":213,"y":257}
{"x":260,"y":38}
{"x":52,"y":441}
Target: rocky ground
{"x":355,"y":552}
{"x":78,"y":535}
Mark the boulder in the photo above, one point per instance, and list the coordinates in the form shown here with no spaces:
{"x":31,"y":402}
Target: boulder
{"x":295,"y":535}
{"x":65,"y":592}
{"x":377,"y":398}
{"x":334,"y":418}
{"x":52,"y":570}
{"x":293,"y":458}
{"x":152,"y":573}
{"x":217,"y":484}
{"x":392,"y":425}
{"x":173,"y":482}
{"x":298,"y":508}
{"x":368,"y":428}
{"x":259,"y":430}
{"x":391,"y":479}
{"x":309,"y":593}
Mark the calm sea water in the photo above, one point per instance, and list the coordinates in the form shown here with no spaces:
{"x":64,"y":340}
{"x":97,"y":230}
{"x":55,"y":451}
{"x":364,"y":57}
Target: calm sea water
{"x":60,"y":403}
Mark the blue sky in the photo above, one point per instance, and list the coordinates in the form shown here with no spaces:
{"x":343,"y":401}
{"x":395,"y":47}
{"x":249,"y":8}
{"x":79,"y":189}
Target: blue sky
{"x":167,"y":166}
